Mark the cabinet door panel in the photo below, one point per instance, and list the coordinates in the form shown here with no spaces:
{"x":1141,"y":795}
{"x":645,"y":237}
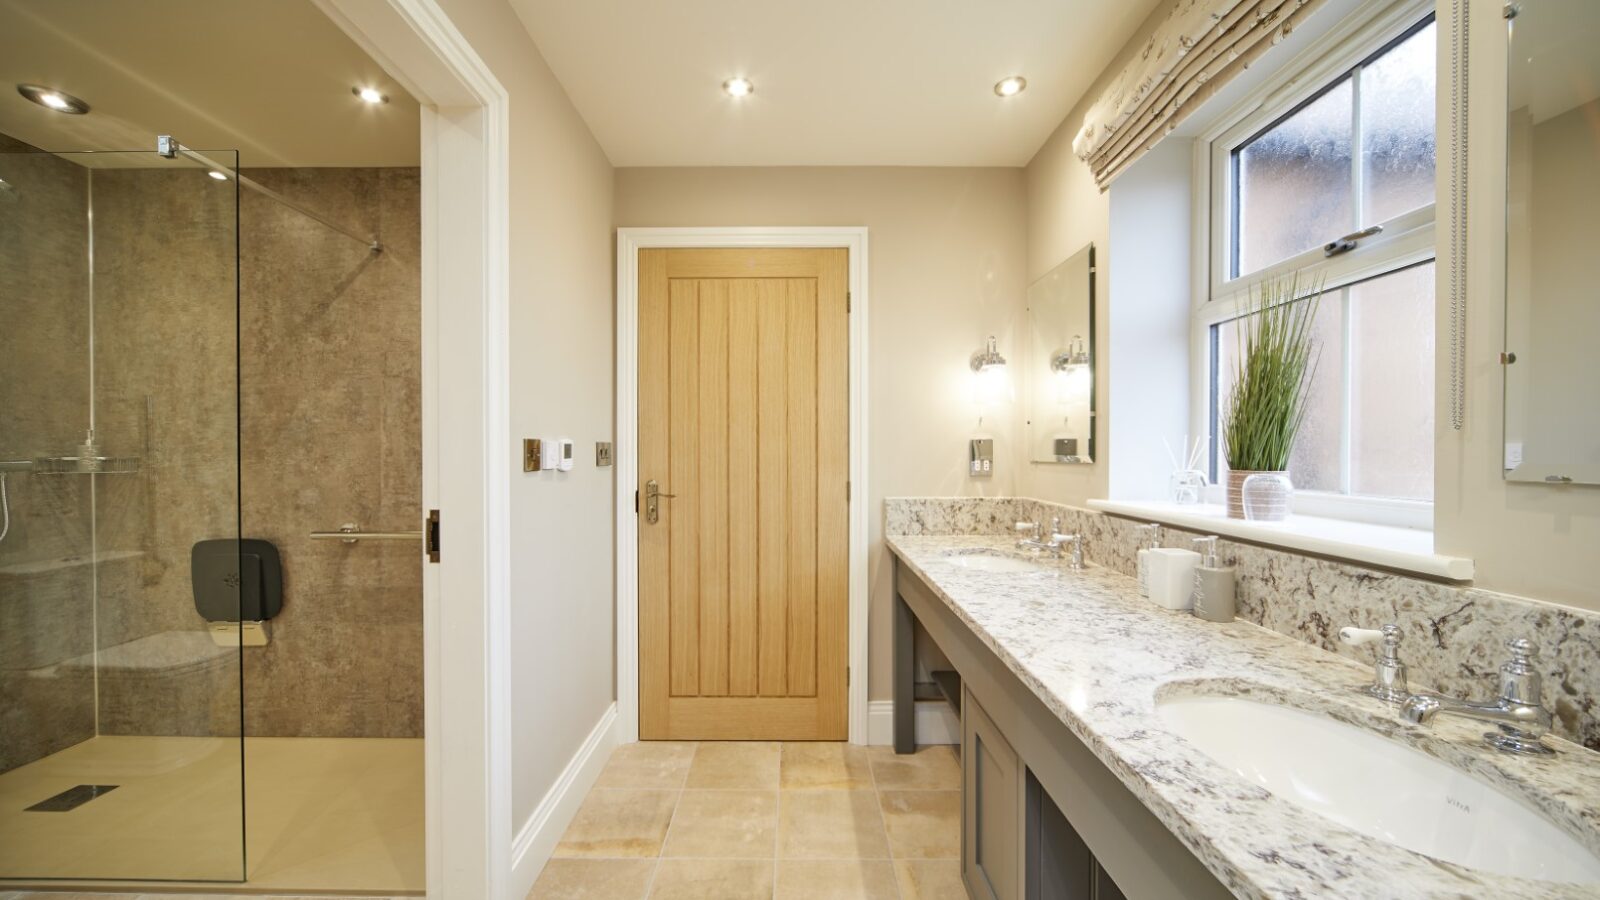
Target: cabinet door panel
{"x":991,"y":851}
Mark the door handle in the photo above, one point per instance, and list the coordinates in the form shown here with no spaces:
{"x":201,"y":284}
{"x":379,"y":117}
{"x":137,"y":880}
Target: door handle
{"x":652,"y":501}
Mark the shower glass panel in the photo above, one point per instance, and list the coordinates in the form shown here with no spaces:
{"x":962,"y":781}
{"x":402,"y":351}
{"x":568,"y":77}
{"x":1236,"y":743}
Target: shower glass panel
{"x":121,"y":754}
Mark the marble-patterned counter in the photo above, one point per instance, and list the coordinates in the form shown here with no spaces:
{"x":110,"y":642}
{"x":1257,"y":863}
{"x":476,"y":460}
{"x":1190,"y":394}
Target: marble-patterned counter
{"x":1098,"y":656}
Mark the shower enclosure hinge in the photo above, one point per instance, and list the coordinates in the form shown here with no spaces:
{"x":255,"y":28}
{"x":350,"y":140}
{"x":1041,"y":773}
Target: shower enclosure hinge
{"x":847,"y":300}
{"x":847,"y":491}
{"x":433,"y":535}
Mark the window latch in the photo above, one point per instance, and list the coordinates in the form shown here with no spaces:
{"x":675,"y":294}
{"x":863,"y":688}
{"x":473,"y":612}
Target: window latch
{"x":1349,"y":241}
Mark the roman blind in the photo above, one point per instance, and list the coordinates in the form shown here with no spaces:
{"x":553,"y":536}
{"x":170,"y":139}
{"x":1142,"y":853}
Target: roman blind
{"x":1200,"y":46}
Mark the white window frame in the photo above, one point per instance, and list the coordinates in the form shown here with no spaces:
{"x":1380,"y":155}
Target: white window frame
{"x":1219,"y":297}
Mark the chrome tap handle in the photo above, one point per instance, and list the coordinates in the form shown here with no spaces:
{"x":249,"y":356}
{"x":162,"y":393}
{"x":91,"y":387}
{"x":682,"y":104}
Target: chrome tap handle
{"x":1389,"y":673}
{"x":1075,"y":541}
{"x":1519,"y":677}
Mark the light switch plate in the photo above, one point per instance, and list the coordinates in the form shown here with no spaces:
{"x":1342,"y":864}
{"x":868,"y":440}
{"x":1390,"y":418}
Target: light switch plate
{"x":532,"y":455}
{"x":980,"y":457}
{"x":602,"y":453}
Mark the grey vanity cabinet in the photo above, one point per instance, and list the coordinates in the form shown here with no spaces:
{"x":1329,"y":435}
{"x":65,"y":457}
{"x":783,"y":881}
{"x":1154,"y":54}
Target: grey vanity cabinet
{"x":991,"y":814}
{"x":1015,"y":843}
{"x":1059,"y":865}
{"x":1042,"y":818}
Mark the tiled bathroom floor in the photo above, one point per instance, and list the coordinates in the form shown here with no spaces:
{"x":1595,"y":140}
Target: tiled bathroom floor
{"x":763,"y":820}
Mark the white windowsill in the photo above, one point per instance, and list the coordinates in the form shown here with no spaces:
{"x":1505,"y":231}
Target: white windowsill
{"x":1402,"y":549}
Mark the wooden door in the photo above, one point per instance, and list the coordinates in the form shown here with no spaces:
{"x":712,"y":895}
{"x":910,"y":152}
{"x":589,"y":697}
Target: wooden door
{"x":743,"y":421}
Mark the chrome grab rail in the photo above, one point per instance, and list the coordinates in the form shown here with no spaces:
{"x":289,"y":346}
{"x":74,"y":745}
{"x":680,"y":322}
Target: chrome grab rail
{"x":351,"y":533}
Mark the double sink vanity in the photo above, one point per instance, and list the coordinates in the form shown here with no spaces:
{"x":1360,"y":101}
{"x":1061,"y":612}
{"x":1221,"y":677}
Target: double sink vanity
{"x":1114,"y":748}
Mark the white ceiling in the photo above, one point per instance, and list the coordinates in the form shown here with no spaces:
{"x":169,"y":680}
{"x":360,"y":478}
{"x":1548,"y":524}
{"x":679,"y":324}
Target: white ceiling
{"x":270,"y":78}
{"x":838,"y":82}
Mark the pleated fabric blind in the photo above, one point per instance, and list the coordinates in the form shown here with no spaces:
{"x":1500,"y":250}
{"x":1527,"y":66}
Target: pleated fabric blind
{"x":1198,"y":48}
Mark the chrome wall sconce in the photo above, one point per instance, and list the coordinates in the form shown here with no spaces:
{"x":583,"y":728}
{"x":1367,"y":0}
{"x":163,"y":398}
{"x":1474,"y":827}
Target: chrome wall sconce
{"x":988,"y":358}
{"x":991,"y":386}
{"x":1071,"y":360}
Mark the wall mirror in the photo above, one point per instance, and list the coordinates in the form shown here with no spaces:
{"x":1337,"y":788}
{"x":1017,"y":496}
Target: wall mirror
{"x":1058,"y":363}
{"x":1552,"y":369}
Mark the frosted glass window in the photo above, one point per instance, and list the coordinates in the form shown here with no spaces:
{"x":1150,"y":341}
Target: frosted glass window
{"x":1296,"y":183}
{"x":1391,"y":385}
{"x":1359,"y":153}
{"x":1397,"y":129}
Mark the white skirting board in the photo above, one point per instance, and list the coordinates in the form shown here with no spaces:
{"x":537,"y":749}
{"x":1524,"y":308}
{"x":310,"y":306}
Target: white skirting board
{"x":937,"y":723}
{"x":537,"y":837}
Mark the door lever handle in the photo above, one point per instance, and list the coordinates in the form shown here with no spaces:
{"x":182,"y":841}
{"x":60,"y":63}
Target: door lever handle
{"x":652,"y":501}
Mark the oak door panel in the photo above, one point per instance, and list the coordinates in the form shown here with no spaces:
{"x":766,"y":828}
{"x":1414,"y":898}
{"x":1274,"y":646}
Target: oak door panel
{"x":743,"y":424}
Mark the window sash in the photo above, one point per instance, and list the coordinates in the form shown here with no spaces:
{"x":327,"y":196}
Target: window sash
{"x":1384,"y":33}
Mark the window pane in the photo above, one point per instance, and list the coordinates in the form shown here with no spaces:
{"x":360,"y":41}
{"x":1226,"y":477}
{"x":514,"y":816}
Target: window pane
{"x":1397,"y":118}
{"x":1391,"y":385}
{"x":1314,"y":461}
{"x":1295,"y":183}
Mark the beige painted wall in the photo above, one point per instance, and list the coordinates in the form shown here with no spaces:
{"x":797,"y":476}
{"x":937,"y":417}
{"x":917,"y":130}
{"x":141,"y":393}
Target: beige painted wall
{"x":561,"y":386}
{"x":1067,"y":210}
{"x":1528,"y":539}
{"x":946,"y":257}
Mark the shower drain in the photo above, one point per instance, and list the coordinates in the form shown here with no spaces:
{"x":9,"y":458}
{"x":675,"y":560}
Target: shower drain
{"x":72,"y":798}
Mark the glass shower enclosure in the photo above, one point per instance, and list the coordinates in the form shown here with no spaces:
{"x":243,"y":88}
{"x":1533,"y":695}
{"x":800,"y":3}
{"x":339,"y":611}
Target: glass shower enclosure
{"x":121,"y":748}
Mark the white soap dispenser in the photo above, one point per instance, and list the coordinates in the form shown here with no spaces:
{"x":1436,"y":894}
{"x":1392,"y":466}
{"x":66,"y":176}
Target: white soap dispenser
{"x":1149,"y":539}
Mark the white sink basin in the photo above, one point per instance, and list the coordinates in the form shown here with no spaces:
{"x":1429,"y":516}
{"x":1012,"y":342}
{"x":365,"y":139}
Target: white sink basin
{"x":992,"y":562}
{"x":1380,"y":788}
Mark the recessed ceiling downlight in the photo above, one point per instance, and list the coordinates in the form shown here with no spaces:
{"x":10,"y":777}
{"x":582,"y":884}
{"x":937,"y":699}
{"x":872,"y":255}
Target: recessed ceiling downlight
{"x":50,"y":98}
{"x":738,"y":87}
{"x":370,"y":95}
{"x":1010,"y":87}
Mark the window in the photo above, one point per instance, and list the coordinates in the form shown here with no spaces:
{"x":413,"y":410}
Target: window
{"x":1337,"y":182}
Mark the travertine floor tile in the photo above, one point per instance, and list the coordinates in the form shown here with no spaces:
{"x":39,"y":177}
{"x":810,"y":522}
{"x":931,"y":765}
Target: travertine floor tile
{"x":923,"y":824}
{"x":830,"y":825}
{"x":825,"y":765}
{"x":930,"y":879}
{"x":713,"y":879}
{"x":657,"y":765}
{"x":934,"y":768}
{"x":835,"y":879}
{"x":724,"y":824}
{"x":593,"y":879}
{"x":617,"y":823}
{"x":735,"y":766}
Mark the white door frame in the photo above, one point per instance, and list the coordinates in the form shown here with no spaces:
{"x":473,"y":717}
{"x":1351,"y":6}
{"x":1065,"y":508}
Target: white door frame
{"x":467,"y":454}
{"x":629,"y":242}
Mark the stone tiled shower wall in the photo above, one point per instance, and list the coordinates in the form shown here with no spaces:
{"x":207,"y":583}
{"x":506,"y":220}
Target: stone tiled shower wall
{"x":328,"y":432}
{"x":46,"y":583}
{"x":1454,"y":636}
{"x":331,"y":377}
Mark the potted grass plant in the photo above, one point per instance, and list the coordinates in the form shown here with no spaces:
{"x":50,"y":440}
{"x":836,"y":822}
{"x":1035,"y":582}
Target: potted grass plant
{"x":1277,"y":357}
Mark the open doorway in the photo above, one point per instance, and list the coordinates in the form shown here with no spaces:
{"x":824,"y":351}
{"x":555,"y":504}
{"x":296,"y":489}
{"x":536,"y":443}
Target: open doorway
{"x":218,"y":372}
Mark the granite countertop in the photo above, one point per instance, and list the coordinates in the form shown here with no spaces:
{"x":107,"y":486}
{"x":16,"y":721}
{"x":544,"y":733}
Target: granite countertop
{"x":1099,"y":656}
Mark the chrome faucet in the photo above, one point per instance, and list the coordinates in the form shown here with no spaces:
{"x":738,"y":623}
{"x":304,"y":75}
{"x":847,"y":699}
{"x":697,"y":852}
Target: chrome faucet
{"x":1521,"y":718}
{"x":1056,"y":542}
